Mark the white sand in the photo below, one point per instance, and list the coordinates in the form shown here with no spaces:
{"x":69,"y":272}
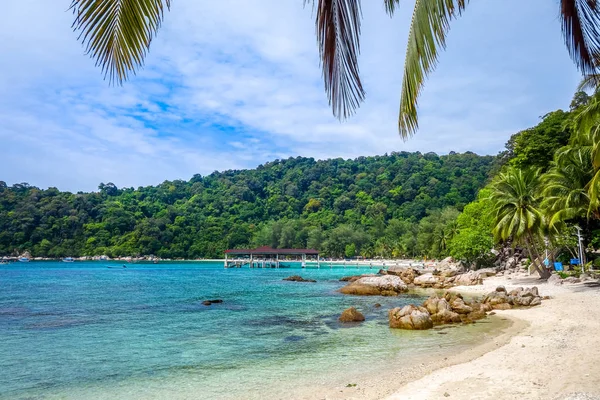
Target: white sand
{"x":555,"y":354}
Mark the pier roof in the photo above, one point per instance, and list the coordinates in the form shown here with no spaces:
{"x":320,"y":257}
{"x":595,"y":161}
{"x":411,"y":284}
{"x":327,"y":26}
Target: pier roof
{"x":269,"y":250}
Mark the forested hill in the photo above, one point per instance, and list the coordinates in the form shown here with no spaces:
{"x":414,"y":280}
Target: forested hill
{"x":342,"y":207}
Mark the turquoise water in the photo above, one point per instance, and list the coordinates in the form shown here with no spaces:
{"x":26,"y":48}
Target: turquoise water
{"x":83,"y":330}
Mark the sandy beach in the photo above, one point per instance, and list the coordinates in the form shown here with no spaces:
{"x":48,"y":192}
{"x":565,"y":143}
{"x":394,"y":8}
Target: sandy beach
{"x":551,"y":352}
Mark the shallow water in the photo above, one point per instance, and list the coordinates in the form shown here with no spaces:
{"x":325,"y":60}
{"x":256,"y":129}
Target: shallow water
{"x":83,"y":330}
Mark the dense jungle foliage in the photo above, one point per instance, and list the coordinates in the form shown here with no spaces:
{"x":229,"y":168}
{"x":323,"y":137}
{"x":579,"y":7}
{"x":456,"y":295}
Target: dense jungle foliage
{"x":392,"y":205}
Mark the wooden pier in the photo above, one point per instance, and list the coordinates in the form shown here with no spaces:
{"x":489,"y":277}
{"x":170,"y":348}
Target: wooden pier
{"x":267,"y":257}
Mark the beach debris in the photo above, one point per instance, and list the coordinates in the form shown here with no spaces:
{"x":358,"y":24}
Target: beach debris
{"x":446,"y":394}
{"x":210,"y":302}
{"x":298,"y":278}
{"x":351,"y":315}
{"x":387,"y":285}
{"x":410,"y":317}
{"x":351,"y":385}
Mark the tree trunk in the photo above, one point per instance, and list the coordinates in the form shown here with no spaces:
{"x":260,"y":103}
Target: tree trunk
{"x":535,"y":257}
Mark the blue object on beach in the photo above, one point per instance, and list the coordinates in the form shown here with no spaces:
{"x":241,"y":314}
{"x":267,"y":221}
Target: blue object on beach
{"x":546,"y":262}
{"x":575,"y":261}
{"x":558,"y":266}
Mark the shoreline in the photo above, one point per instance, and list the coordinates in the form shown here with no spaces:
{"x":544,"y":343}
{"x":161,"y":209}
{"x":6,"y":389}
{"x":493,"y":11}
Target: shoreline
{"x":550,"y":351}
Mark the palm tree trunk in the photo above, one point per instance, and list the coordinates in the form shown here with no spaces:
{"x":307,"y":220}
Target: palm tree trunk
{"x":535,"y":257}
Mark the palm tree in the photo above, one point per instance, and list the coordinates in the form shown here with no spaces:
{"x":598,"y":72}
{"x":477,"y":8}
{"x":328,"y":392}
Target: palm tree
{"x":118,"y":33}
{"x":515,"y":197}
{"x":565,"y":185}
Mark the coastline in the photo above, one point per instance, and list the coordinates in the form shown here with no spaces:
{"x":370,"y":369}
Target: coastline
{"x":551,"y":351}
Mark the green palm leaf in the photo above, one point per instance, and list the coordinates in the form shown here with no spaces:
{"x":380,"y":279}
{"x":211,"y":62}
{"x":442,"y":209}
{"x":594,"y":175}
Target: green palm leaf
{"x":428,"y":29}
{"x":117,"y":33}
{"x":580,"y":26}
{"x":338,"y":31}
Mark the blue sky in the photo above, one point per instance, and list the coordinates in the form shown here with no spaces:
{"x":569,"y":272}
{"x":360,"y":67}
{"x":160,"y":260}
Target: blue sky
{"x":236,"y":83}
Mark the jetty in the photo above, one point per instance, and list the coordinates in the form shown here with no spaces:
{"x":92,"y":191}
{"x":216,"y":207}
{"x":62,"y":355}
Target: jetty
{"x":268,"y":257}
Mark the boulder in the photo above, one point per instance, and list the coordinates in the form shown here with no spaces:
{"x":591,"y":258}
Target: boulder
{"x":298,"y":278}
{"x":448,"y":267}
{"x":351,"y":315}
{"x":571,"y":279}
{"x":435,"y":305}
{"x":387,"y":285}
{"x":459,"y":306}
{"x":555,"y":279}
{"x":353,"y":278}
{"x":501,"y":289}
{"x":485,"y":272}
{"x":406,"y":274}
{"x":445,"y":317}
{"x":469,"y":278}
{"x":426,"y":280}
{"x":410,"y":317}
{"x":536,"y":301}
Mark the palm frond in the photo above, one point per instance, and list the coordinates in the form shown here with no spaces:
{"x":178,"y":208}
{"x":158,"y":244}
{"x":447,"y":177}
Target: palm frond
{"x":338,"y":31}
{"x":580,"y":26}
{"x":589,"y":82}
{"x":118,"y":33}
{"x":428,"y":29}
{"x":390,"y":6}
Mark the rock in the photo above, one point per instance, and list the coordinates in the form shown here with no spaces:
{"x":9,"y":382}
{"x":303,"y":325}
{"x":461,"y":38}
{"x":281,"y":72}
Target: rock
{"x":298,"y":278}
{"x":387,"y":285}
{"x":351,"y":315}
{"x":535,"y":302}
{"x":516,"y":292}
{"x":530,"y":292}
{"x":410,"y":317}
{"x":445,"y":317}
{"x":406,"y":274}
{"x":209,"y":302}
{"x":571,"y":279}
{"x":377,"y":305}
{"x":469,"y":278}
{"x":458,"y":306}
{"x":501,"y":289}
{"x":426,"y":280}
{"x":502,"y":306}
{"x":485,"y":272}
{"x":449,"y":268}
{"x":555,"y":279}
{"x":354,"y":278}
{"x":434,"y":305}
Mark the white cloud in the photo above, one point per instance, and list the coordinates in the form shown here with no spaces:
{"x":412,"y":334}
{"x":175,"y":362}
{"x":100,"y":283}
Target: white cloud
{"x":236,"y":83}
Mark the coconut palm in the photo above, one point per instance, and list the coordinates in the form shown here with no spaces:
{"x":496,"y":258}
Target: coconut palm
{"x":515,"y":197}
{"x":566,"y":195}
{"x":118,"y":33}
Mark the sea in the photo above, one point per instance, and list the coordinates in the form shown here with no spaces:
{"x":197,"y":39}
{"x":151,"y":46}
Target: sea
{"x":96,"y":330}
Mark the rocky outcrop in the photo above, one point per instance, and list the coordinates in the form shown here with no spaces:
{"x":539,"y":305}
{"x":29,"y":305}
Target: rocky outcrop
{"x":298,"y":278}
{"x":448,"y":268}
{"x":351,"y":315}
{"x":469,"y":278}
{"x":519,"y":297}
{"x":353,"y":278}
{"x":387,"y":285}
{"x":408,"y":275}
{"x":426,"y":280}
{"x":452,"y":308}
{"x":410,"y":317}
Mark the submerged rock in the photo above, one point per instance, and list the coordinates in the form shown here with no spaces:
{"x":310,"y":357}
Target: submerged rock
{"x":387,"y":285}
{"x":298,"y":278}
{"x":209,"y":302}
{"x":351,"y":315}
